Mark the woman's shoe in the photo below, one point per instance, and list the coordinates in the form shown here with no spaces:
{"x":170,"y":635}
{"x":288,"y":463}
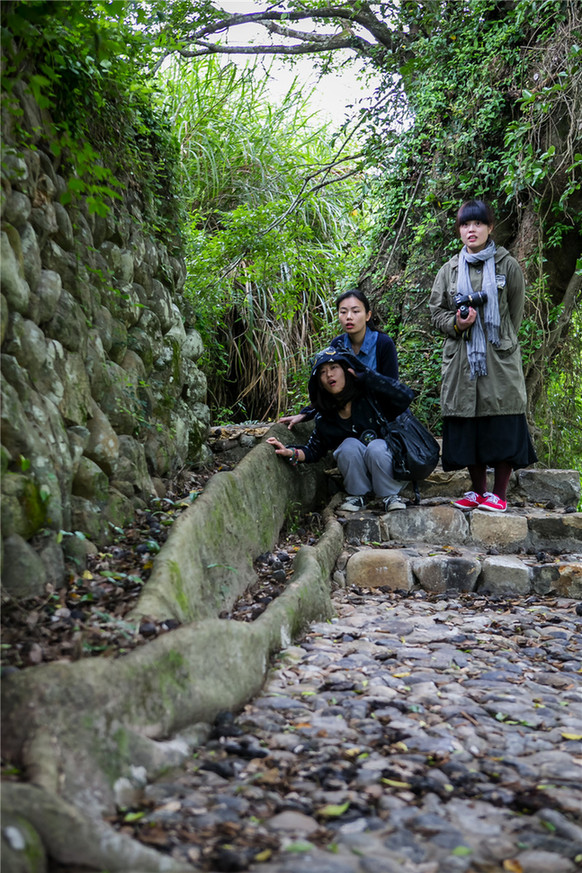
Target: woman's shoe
{"x":469,"y":500}
{"x":493,"y":503}
{"x":393,"y":502}
{"x":352,"y":504}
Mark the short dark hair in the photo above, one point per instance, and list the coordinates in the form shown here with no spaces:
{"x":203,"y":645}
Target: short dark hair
{"x":474,"y":210}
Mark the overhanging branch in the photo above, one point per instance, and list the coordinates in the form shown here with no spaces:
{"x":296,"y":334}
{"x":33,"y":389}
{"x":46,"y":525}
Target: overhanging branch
{"x":206,"y":48}
{"x":197,"y":43}
{"x":303,"y":192}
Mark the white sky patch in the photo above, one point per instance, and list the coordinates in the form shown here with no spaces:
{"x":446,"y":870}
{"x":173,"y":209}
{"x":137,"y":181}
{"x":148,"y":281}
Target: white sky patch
{"x":332,"y":93}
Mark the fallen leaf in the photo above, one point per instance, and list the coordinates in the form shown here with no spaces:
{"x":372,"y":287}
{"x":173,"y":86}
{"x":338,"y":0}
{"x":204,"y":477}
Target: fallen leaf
{"x":133,"y":816}
{"x":299,"y":846}
{"x":393,"y":783}
{"x":171,"y":806}
{"x":511,"y":865}
{"x":333,"y":810}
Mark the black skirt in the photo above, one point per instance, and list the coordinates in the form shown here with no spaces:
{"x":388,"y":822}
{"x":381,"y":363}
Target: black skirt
{"x":488,"y":440}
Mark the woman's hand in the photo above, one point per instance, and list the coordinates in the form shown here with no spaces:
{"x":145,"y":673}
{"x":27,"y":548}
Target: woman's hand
{"x":465,"y":323}
{"x":294,"y":455}
{"x":291,"y":420}
{"x":280,"y":449}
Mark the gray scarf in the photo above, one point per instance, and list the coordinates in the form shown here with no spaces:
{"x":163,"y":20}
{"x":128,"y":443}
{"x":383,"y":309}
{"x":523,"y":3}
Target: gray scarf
{"x":476,"y":345}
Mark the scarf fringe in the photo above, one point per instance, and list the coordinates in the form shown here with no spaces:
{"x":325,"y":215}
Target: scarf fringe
{"x":487,"y":324}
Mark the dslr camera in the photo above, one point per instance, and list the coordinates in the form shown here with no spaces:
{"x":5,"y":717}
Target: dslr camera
{"x":471,"y":300}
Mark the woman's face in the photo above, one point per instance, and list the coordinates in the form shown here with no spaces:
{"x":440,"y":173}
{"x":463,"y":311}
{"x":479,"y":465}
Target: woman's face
{"x":353,"y":316}
{"x":474,"y":234}
{"x":332,"y":377}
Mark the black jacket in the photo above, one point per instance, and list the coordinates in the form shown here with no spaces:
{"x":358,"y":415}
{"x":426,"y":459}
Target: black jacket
{"x":388,"y":396}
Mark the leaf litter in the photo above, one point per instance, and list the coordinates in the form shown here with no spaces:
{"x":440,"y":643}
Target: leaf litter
{"x":87,"y":617}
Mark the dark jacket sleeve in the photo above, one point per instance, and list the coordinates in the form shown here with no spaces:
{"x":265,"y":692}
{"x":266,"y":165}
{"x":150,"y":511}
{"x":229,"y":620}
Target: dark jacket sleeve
{"x":317,"y":445}
{"x":386,"y":357}
{"x":391,"y":393}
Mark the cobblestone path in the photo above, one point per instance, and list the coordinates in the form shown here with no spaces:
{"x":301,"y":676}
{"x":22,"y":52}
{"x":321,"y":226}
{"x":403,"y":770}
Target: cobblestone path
{"x":419,"y":734}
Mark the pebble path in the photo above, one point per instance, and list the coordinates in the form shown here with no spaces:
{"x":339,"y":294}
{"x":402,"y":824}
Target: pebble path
{"x":410,"y":734}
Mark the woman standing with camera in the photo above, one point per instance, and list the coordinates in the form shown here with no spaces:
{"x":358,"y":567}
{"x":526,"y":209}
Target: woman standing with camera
{"x":477,"y":301}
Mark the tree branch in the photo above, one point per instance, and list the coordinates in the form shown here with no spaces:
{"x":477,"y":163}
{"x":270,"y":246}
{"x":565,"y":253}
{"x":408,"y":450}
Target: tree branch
{"x":302,"y":194}
{"x":308,"y":48}
{"x":276,"y":22}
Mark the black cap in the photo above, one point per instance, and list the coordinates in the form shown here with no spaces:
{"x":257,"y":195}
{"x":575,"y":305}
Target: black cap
{"x":333,"y":355}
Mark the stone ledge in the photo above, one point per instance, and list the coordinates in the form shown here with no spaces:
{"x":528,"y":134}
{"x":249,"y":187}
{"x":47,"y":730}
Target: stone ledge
{"x":436,"y":569}
{"x":545,"y":487}
{"x":520,"y":529}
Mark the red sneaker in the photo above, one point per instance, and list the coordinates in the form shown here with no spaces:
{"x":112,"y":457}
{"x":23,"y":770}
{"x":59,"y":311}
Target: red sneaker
{"x":493,"y":503}
{"x":469,"y":500}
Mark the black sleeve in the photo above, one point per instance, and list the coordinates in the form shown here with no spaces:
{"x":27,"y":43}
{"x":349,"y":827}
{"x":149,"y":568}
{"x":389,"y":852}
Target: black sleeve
{"x":317,"y":446}
{"x":392,"y":393}
{"x":386,"y":357}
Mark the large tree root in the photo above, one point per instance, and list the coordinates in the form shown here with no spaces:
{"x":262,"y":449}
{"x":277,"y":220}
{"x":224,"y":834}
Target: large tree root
{"x":79,"y":728}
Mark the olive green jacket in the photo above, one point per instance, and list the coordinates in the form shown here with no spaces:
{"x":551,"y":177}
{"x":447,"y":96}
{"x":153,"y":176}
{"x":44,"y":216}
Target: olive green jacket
{"x":502,"y":390}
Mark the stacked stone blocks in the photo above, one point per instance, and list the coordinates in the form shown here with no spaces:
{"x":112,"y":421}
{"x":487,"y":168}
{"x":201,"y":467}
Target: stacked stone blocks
{"x":101,"y":393}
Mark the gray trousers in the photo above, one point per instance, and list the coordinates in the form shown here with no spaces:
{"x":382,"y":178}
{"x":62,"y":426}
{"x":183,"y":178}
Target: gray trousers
{"x":367,"y":468}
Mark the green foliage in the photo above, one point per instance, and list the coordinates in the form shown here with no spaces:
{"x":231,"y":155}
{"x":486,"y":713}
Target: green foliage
{"x":85,"y":65}
{"x":269,"y":239}
{"x":488,"y":102}
{"x":559,"y":413}
{"x":479,"y":98}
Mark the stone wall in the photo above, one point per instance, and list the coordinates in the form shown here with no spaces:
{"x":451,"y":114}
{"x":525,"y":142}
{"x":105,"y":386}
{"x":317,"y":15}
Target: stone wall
{"x":101,"y":394}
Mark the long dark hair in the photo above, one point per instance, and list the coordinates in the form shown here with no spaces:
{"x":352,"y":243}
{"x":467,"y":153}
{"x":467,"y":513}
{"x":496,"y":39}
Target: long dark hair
{"x":474,"y":210}
{"x":359,"y":295}
{"x":325,"y":402}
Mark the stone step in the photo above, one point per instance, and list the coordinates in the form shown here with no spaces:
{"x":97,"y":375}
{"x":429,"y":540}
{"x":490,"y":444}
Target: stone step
{"x":528,"y":529}
{"x":535,"y":547}
{"x":439,"y":568}
{"x":549,"y":488}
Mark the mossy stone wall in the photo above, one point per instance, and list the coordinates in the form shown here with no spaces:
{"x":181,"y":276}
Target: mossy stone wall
{"x":102,"y":397}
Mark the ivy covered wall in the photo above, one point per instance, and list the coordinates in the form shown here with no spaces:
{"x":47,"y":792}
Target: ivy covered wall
{"x":101,"y":394}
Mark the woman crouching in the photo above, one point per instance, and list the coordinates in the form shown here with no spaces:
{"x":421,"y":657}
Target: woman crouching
{"x":352,"y":404}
